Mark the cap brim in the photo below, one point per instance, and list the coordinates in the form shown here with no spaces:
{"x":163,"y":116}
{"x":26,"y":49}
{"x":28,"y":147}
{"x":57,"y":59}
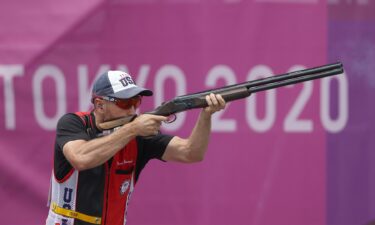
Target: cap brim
{"x":131,"y":92}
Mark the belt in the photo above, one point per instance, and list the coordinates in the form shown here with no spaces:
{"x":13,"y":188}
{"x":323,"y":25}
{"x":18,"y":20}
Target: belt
{"x":76,"y":215}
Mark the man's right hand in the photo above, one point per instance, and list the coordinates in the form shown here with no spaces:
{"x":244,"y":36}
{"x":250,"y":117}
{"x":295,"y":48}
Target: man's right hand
{"x":147,"y":124}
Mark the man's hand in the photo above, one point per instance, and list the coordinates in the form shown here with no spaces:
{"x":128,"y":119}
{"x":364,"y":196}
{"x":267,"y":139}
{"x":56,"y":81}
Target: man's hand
{"x":215,"y":103}
{"x":147,"y":125}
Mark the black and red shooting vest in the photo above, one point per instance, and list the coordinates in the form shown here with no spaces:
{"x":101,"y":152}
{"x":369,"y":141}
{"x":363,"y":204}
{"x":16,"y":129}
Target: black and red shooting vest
{"x":95,"y":196}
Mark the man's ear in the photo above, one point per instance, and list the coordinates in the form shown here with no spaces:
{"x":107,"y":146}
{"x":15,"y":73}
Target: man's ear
{"x":98,"y":103}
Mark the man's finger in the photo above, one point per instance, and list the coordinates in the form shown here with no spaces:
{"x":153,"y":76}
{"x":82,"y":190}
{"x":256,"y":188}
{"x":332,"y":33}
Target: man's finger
{"x":209,"y":101}
{"x":220,"y":99}
{"x":213,"y":99}
{"x":157,"y":117}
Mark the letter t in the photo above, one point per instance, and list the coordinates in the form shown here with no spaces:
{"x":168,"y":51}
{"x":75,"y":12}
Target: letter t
{"x":8,"y":72}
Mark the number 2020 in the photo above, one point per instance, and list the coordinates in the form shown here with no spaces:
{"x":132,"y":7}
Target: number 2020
{"x":291,"y":122}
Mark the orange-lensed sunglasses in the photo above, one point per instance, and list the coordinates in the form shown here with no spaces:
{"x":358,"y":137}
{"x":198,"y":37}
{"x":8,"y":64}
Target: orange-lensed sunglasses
{"x":125,"y":103}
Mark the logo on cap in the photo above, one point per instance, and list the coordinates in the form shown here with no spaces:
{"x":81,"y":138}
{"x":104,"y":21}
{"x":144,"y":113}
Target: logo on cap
{"x":126,"y":80}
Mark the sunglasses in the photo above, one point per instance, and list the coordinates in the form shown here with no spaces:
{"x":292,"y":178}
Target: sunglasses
{"x":126,"y":103}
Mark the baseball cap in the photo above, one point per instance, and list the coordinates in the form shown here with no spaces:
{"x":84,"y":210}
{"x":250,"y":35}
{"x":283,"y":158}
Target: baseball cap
{"x":117,"y":84}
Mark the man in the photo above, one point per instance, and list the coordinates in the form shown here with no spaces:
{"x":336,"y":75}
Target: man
{"x":94,"y":174}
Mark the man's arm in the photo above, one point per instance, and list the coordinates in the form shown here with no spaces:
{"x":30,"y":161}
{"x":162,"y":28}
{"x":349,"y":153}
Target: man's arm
{"x":83,"y":154}
{"x":194,"y":148}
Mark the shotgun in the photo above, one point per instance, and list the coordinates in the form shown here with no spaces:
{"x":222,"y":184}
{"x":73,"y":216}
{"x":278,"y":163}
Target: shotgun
{"x":233,"y":92}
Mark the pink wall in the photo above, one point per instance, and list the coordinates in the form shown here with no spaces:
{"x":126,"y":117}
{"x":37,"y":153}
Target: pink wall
{"x":263,"y":165}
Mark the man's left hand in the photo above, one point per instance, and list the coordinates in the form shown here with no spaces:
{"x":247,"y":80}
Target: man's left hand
{"x":215,"y":103}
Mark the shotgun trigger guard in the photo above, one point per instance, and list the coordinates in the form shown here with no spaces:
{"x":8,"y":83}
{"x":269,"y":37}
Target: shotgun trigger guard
{"x":171,"y":118}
